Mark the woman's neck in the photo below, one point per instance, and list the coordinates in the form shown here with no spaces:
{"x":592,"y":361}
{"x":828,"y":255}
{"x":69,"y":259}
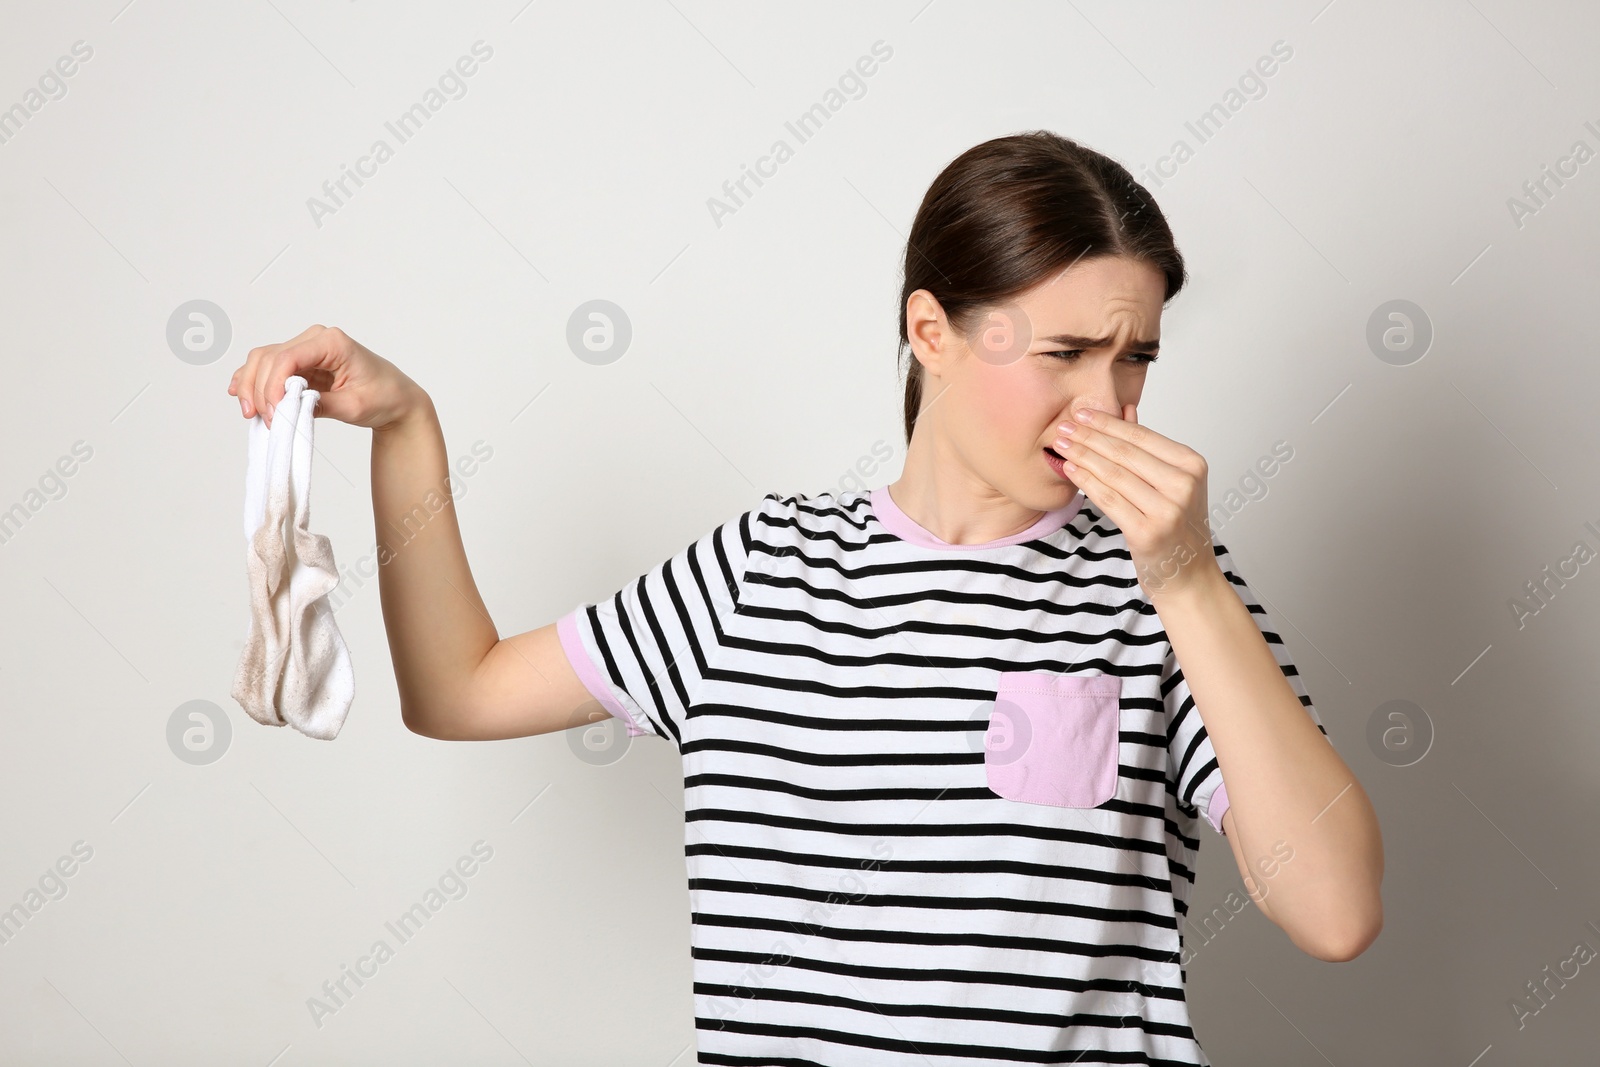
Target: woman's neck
{"x":939,"y":493}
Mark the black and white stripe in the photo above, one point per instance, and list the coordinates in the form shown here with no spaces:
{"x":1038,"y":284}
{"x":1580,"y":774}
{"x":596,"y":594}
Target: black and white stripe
{"x":858,"y":894}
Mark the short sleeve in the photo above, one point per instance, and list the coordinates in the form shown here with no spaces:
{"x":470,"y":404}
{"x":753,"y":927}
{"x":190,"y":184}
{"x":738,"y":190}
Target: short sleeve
{"x":642,"y":653}
{"x":1192,"y":768}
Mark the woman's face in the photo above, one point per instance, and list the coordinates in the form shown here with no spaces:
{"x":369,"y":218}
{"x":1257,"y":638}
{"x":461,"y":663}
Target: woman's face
{"x":993,"y":397}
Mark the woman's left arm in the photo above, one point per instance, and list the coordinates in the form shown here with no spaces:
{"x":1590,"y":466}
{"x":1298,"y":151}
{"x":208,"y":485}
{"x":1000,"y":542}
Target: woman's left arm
{"x":1287,"y":786}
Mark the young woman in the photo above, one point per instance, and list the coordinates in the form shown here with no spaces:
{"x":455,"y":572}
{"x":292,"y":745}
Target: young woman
{"x":947,"y":742}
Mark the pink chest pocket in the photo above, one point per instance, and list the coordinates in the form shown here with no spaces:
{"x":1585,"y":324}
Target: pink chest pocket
{"x":1052,"y":738}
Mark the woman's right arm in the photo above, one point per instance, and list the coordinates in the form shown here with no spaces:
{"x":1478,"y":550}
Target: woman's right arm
{"x":457,"y":679}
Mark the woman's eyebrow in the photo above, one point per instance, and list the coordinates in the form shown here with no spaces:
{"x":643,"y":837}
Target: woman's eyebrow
{"x":1074,"y":341}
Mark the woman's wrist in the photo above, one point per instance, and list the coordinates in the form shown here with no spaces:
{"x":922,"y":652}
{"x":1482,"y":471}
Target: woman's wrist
{"x":415,"y":409}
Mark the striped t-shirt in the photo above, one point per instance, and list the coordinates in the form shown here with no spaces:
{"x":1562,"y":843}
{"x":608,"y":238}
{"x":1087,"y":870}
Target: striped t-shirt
{"x":942,"y":802}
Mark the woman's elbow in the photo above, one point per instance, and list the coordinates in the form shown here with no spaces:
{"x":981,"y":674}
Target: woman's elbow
{"x":1342,"y":946}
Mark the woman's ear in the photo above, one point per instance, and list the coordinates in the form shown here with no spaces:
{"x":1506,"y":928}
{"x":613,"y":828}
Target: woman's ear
{"x":929,"y":332}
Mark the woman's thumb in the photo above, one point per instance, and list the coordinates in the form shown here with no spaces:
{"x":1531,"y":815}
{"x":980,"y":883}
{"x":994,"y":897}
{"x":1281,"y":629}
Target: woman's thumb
{"x":314,"y":357}
{"x":335,"y":404}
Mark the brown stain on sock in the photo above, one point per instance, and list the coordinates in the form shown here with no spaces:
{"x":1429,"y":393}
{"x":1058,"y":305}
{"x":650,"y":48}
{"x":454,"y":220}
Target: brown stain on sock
{"x":261,"y":662}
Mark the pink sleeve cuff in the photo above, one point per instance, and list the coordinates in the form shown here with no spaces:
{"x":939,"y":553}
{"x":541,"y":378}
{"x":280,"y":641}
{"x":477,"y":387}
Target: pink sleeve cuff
{"x":578,"y":656}
{"x":1218,"y":807}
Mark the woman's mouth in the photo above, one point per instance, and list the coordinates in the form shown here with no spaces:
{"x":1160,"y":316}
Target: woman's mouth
{"x":1055,"y":460}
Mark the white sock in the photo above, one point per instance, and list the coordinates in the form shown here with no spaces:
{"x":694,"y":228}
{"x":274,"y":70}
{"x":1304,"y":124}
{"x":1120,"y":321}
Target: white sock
{"x":295,"y":669}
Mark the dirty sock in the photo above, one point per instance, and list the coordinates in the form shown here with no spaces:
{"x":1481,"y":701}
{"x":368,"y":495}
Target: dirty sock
{"x":295,"y":667}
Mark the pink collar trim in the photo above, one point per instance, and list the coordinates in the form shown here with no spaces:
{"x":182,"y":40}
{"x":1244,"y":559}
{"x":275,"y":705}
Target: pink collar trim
{"x":904,"y":527}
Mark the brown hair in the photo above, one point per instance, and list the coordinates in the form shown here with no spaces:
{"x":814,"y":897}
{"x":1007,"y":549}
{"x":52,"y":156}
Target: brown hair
{"x":1005,"y":214}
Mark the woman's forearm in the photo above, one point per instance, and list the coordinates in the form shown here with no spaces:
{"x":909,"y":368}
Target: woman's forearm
{"x":1286,"y":784}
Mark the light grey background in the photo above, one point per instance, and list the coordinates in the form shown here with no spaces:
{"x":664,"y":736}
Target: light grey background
{"x":1379,"y":164}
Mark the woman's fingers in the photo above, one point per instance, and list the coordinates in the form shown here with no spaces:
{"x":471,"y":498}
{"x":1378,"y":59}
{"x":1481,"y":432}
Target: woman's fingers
{"x":317,"y":348}
{"x":245,"y":383}
{"x":355,"y":385}
{"x":324,"y":360}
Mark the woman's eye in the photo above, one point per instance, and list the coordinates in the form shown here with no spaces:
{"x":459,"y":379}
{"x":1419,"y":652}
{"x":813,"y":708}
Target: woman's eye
{"x":1142,"y":358}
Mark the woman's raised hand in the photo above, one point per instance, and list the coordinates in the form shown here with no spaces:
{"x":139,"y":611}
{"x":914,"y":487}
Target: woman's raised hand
{"x":357,"y":385}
